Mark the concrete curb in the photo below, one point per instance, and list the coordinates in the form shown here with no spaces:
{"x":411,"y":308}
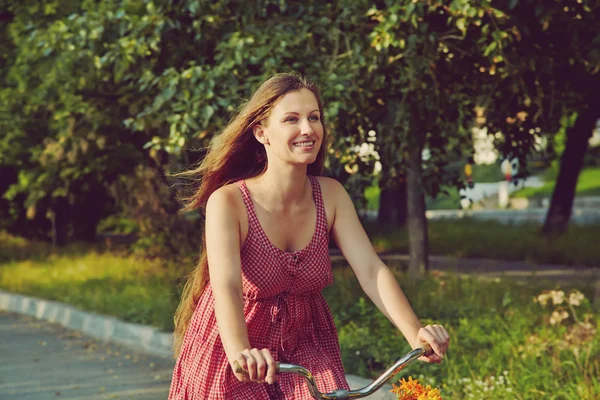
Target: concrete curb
{"x":140,"y":337}
{"x":143,"y":338}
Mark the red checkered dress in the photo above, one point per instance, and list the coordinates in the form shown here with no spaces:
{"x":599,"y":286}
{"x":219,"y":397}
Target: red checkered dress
{"x":285,"y":312}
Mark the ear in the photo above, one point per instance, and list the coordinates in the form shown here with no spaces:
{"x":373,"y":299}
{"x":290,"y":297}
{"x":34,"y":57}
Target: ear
{"x":259,"y":133}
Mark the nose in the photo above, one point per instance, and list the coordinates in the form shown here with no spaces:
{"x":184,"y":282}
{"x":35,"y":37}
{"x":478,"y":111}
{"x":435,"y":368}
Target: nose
{"x":305,"y":127}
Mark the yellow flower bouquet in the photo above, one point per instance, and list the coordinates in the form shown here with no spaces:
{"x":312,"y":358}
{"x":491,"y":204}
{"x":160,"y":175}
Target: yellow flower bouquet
{"x":411,"y":389}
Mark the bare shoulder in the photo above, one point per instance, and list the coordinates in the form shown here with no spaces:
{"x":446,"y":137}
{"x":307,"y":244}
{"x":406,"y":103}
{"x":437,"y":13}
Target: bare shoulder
{"x":330,"y":186}
{"x":226,"y":197}
{"x":335,"y":197}
{"x":332,"y":189}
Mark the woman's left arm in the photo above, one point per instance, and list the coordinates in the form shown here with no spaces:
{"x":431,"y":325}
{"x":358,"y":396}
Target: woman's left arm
{"x":376,"y":279}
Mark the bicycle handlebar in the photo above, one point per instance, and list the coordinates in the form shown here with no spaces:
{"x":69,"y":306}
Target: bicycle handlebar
{"x":424,"y":350}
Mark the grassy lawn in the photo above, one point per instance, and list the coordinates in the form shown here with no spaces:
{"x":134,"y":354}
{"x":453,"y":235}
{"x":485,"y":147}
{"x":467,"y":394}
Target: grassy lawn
{"x":16,"y":248}
{"x":469,"y":238}
{"x":504,"y":345}
{"x":443,"y":201}
{"x":587,"y":185}
{"x":128,"y":288}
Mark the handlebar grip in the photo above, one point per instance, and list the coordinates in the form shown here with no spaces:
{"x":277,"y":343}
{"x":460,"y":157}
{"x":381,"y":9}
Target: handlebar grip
{"x":239,"y":370}
{"x":427,"y":347}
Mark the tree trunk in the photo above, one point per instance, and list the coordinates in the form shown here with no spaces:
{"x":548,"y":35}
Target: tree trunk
{"x":392,"y":204}
{"x":392,"y":199}
{"x":571,"y":162}
{"x":60,"y":234}
{"x":91,"y":206}
{"x":417,"y":221}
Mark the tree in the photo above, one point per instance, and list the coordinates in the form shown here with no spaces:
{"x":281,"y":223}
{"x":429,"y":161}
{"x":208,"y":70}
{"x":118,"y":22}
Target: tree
{"x":449,"y":60}
{"x":419,"y":55}
{"x":97,"y":88}
{"x":68,"y":123}
{"x":546,"y":69}
{"x":100,"y":87}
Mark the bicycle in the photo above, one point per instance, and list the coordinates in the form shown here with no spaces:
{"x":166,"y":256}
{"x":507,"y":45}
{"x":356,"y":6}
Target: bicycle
{"x":424,"y":350}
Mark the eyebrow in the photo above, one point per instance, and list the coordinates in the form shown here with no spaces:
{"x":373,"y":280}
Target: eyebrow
{"x":294,"y":112}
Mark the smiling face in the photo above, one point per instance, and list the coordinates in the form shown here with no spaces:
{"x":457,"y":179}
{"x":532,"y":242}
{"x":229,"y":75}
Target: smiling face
{"x":293,"y":132}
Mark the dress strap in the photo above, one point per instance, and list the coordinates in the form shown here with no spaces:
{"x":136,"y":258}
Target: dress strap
{"x":252,"y":219}
{"x":319,"y":204}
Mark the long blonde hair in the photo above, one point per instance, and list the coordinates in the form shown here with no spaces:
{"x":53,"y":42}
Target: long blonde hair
{"x":237,"y":155}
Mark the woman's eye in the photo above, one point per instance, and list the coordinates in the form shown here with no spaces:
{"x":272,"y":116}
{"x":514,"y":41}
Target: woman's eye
{"x":311,"y":118}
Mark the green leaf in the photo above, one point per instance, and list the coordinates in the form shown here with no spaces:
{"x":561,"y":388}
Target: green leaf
{"x":461,"y":24}
{"x":208,"y":113}
{"x":491,"y":47}
{"x":506,"y":299}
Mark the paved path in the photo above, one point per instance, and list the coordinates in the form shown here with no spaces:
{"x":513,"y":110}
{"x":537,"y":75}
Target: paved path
{"x":44,"y":361}
{"x":40,"y":360}
{"x":490,"y":268}
{"x":579,"y":216}
{"x":480,"y":191}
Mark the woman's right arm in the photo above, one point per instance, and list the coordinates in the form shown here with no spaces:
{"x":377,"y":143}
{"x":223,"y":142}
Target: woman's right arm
{"x":225,"y":269}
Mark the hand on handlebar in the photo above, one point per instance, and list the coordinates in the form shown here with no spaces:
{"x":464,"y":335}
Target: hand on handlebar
{"x":422,"y":349}
{"x":437,"y":337}
{"x":257,"y":366}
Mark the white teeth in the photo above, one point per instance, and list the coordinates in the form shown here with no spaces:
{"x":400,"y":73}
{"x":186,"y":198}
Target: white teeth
{"x":304,"y":144}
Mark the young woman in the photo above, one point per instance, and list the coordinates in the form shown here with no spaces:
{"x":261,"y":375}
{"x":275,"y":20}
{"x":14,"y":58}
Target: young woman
{"x":255,"y":297}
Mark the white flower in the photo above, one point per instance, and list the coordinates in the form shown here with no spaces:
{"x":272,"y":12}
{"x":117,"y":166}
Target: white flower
{"x":542,"y":298}
{"x":558,"y":316}
{"x":575,"y":298}
{"x":558,"y":296}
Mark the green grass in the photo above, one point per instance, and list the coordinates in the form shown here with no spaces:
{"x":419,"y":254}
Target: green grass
{"x":469,"y":238}
{"x":487,"y":173}
{"x":443,"y":201}
{"x":131,"y":289}
{"x":16,"y":248}
{"x":588,"y":184}
{"x":372,"y":195}
{"x":503,"y":345}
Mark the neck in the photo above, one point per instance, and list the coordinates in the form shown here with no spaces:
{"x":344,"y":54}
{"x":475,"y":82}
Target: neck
{"x":281,"y":186}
